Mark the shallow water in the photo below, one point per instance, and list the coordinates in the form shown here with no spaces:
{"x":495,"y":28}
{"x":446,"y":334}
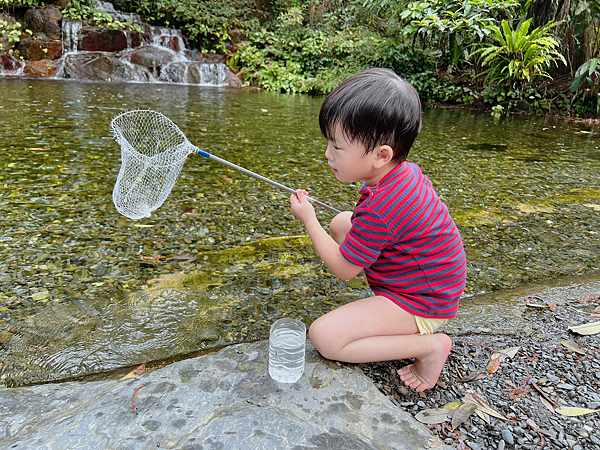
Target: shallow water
{"x":80,"y":286}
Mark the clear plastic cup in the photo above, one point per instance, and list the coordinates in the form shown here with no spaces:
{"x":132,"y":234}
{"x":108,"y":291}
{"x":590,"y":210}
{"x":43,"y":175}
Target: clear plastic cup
{"x":287,"y":347}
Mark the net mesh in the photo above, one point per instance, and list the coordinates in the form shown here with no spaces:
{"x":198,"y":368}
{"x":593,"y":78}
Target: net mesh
{"x":153,"y":151}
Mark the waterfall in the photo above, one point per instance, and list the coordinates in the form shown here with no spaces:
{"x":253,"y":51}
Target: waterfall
{"x":70,"y":35}
{"x":109,"y":9}
{"x":9,"y":65}
{"x":156,"y":55}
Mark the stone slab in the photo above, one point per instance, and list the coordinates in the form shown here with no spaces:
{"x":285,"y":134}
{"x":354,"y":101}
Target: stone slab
{"x":225,"y":400}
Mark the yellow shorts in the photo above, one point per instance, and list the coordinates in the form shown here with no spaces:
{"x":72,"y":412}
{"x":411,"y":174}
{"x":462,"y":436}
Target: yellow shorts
{"x":427,"y":325}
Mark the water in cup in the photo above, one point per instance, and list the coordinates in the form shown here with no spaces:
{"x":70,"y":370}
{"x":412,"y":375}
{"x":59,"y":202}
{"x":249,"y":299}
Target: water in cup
{"x":287,"y":343}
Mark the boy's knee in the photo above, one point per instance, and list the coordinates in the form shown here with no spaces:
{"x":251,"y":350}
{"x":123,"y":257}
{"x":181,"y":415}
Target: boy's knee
{"x":318,"y":336}
{"x":340,"y":225}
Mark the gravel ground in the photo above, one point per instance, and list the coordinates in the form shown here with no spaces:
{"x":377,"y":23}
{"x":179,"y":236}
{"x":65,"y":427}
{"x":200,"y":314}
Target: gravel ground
{"x":525,"y":390}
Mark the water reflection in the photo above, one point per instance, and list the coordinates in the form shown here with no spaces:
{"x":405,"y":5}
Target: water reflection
{"x":523,"y":191}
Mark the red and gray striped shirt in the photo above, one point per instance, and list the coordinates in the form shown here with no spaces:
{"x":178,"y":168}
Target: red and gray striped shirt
{"x":408,"y":244}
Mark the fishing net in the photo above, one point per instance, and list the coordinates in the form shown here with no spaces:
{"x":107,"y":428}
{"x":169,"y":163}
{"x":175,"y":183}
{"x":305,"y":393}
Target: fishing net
{"x":153,"y":151}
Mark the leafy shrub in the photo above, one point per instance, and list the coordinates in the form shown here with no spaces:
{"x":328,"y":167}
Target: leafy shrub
{"x":518,"y":55}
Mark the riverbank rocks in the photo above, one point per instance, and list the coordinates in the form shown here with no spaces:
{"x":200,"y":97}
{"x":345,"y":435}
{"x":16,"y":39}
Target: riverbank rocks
{"x":44,"y":22}
{"x":101,"y":66}
{"x":107,"y":39}
{"x":44,"y":68}
{"x":224,"y":400}
{"x":39,"y":48}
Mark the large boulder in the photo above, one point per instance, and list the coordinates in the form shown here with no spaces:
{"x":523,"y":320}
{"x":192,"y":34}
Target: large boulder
{"x":107,"y":39}
{"x":44,"y":21}
{"x":151,"y":57}
{"x":102,"y":67}
{"x":45,"y":68}
{"x":37,"y":49}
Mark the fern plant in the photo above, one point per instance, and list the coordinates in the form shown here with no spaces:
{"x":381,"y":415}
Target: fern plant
{"x":519,"y":55}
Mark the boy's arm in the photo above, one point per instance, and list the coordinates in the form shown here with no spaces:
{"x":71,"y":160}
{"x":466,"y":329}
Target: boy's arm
{"x":326,"y":247}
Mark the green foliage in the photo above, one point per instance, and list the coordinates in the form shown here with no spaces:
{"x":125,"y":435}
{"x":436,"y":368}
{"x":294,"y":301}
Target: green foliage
{"x":288,"y":54}
{"x":10,"y":34}
{"x":208,"y":23}
{"x":6,"y":3}
{"x":588,"y":72}
{"x":451,"y":26}
{"x":518,"y":55}
{"x":586,"y":19}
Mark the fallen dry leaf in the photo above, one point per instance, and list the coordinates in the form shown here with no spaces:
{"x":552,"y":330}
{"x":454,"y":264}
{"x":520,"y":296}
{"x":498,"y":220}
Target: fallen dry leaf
{"x":433,"y":416}
{"x":547,"y":404}
{"x":586,"y":329}
{"x":507,"y":353}
{"x":463,"y":412}
{"x":452,"y":405}
{"x":545,"y":398}
{"x":572,"y":412}
{"x":482,"y":405}
{"x":493,"y":366}
{"x":135,"y":373}
{"x":574,"y":346}
{"x":472,"y":376}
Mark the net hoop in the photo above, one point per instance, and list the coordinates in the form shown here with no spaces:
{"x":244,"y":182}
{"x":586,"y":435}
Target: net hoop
{"x":153,"y":151}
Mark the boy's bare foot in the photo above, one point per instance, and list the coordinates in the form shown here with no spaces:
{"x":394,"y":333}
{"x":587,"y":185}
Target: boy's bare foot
{"x":424,"y":373}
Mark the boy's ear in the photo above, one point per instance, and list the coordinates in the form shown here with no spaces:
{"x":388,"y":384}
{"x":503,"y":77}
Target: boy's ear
{"x":383,"y":155}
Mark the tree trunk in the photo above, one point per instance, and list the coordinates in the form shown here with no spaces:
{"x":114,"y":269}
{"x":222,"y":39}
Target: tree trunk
{"x":544,"y":11}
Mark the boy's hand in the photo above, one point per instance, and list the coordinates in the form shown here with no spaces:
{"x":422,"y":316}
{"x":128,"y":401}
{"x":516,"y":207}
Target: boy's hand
{"x":301,"y":207}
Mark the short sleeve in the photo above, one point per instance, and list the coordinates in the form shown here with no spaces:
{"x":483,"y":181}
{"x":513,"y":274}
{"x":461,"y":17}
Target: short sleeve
{"x":366,"y":239}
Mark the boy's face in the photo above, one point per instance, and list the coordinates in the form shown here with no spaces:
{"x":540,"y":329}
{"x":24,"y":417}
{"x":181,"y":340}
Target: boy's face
{"x":348,"y":160}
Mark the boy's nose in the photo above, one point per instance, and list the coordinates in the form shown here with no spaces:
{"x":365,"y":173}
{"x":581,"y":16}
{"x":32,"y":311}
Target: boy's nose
{"x":328,"y":154}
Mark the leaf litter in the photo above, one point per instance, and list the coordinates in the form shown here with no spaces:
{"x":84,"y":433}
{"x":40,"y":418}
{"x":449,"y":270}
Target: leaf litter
{"x":527,"y":386}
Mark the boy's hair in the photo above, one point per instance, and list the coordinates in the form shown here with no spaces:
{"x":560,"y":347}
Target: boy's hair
{"x":375,"y":107}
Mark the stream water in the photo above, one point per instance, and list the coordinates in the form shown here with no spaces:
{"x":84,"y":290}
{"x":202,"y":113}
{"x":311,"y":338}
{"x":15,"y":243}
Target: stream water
{"x":85,"y":290}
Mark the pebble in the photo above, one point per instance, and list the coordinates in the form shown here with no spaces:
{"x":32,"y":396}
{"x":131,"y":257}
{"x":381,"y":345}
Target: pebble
{"x":582,"y":433}
{"x":552,"y":378}
{"x":501,"y":445}
{"x":473,"y":445}
{"x":508,"y":437}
